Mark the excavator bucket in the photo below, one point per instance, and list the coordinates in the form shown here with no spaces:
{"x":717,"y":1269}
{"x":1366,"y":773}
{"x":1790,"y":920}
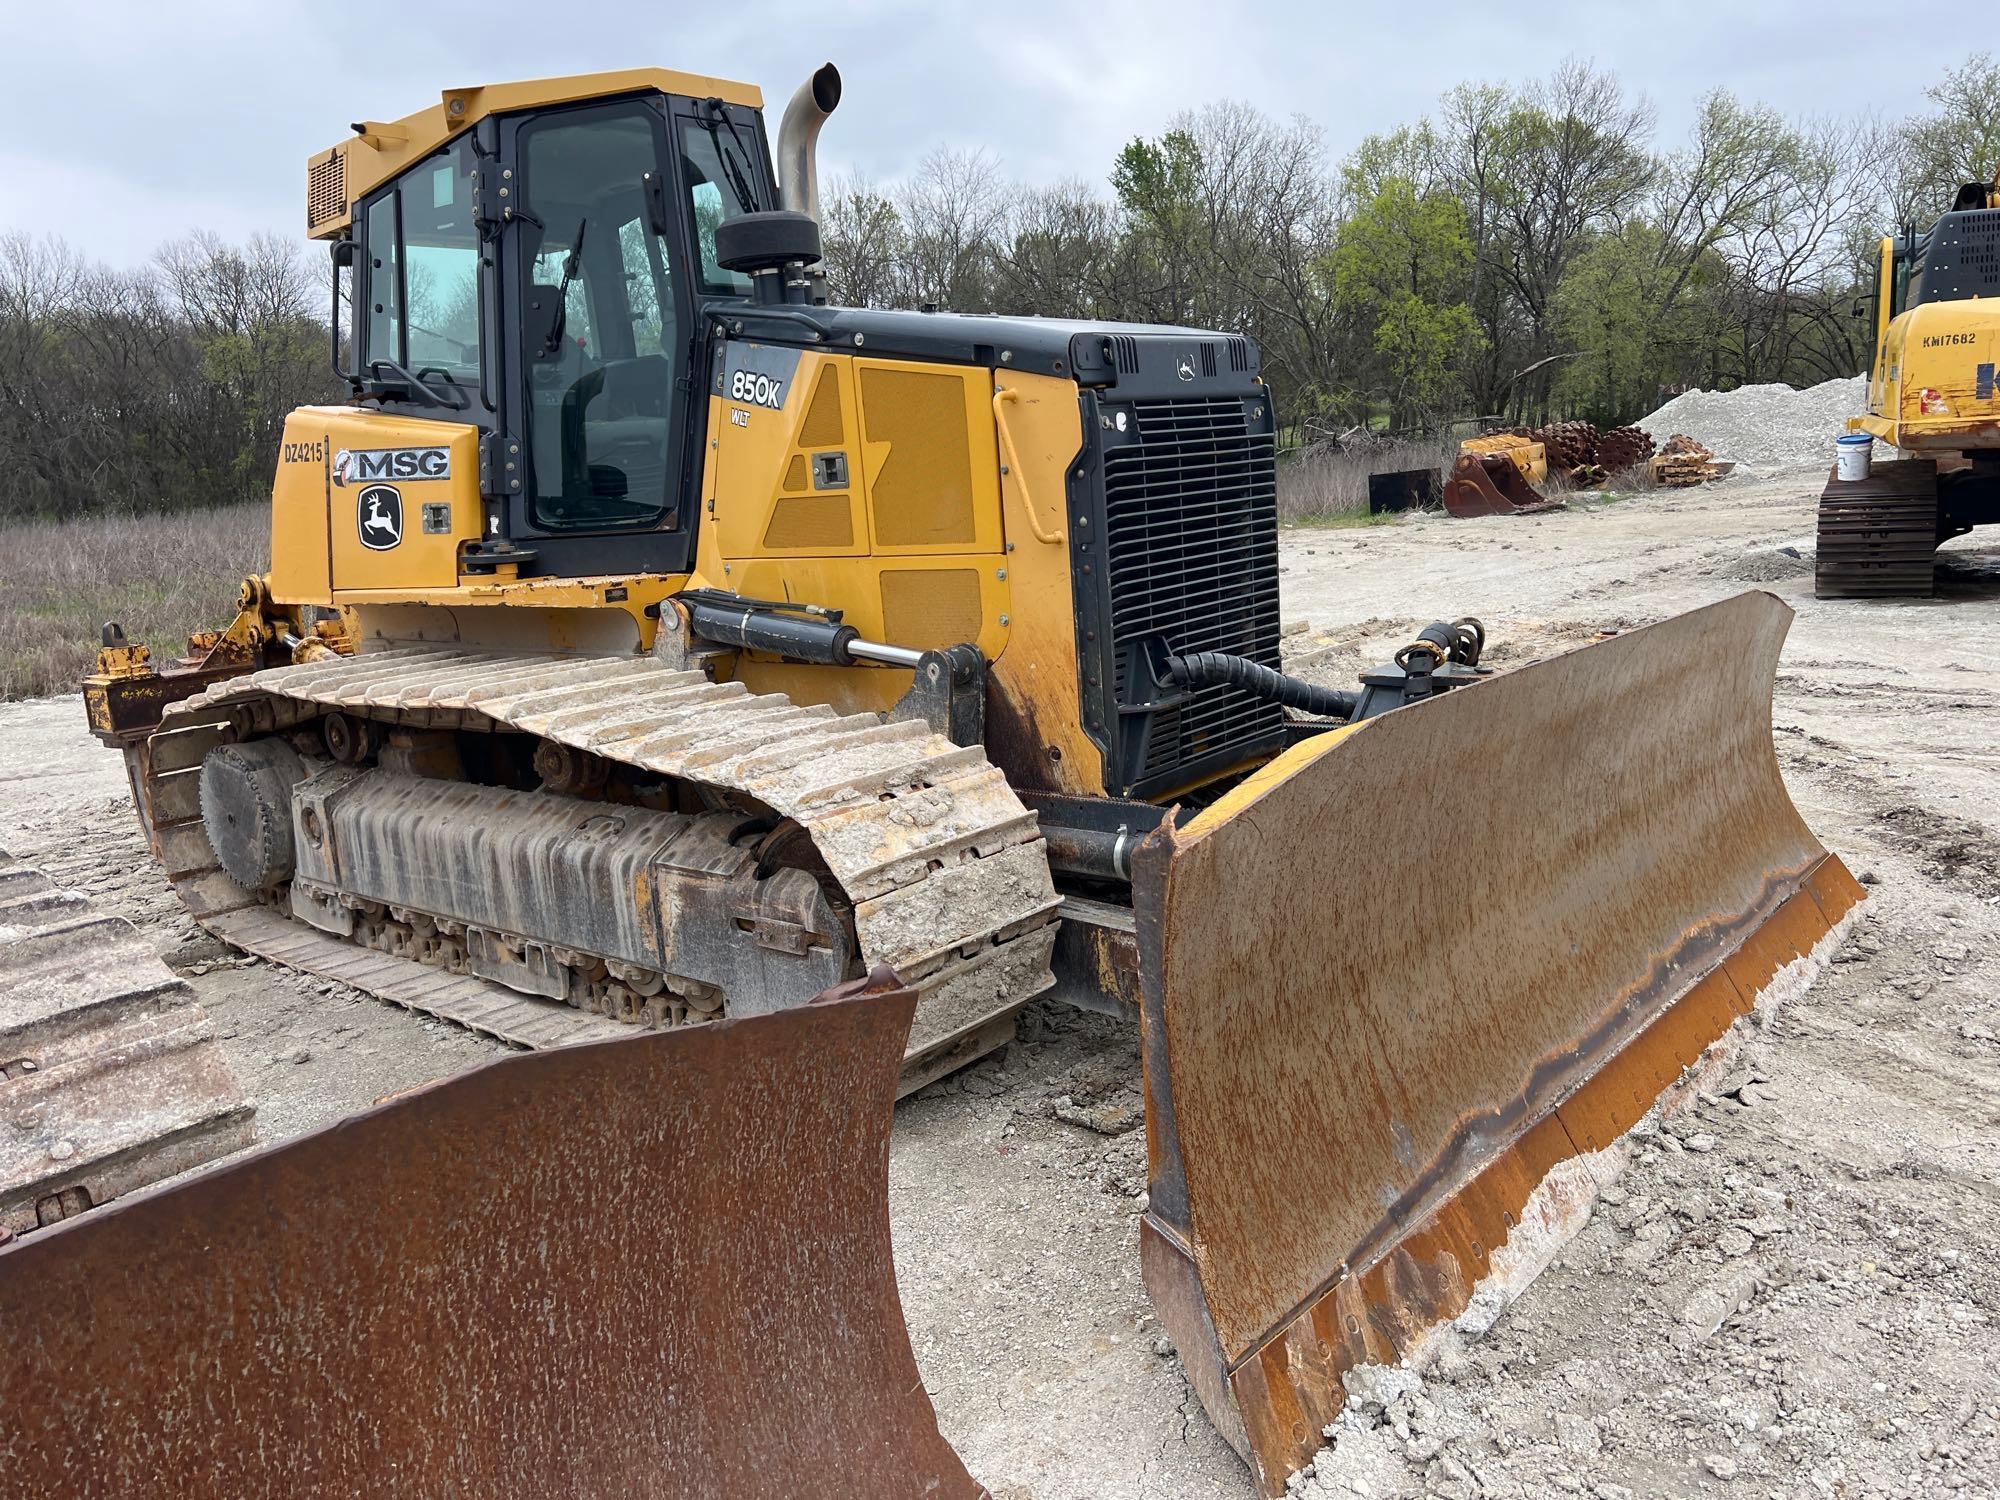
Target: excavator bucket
{"x":1490,"y":484}
{"x":656,"y":1266}
{"x":1404,"y":984}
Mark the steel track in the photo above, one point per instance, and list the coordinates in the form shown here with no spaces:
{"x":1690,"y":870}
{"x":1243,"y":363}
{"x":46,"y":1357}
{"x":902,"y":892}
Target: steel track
{"x":1879,"y":536}
{"x":945,"y":869}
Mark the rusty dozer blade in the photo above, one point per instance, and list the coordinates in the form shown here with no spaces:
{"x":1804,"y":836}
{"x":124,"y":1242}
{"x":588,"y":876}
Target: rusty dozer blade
{"x":1490,"y":484}
{"x":1400,"y":984}
{"x":658,"y":1266}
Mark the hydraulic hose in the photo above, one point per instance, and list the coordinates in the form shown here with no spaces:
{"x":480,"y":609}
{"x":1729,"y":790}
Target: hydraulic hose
{"x":1209,"y":668}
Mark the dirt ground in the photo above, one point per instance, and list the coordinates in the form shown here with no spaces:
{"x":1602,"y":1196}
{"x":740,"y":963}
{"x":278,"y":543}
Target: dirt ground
{"x":1790,"y":1292}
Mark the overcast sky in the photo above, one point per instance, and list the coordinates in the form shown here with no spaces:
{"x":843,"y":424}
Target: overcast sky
{"x":132,"y":123}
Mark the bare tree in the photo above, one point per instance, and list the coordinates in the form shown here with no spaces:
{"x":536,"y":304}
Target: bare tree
{"x":1465,"y":150}
{"x":1572,"y":162}
{"x":1958,"y":142}
{"x":1058,"y":253}
{"x":862,"y":243}
{"x":151,"y":389}
{"x":952,"y":211}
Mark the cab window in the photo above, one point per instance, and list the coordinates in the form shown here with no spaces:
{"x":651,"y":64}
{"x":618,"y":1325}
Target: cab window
{"x":715,"y":164}
{"x":600,"y":353}
{"x":423,"y":271}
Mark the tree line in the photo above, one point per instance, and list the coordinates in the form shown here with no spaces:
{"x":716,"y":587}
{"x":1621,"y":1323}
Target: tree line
{"x":160,"y":388}
{"x":1527,"y":252}
{"x":1523,"y":252}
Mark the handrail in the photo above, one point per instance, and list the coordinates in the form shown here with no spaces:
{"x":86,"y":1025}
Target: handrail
{"x":1002,"y":398}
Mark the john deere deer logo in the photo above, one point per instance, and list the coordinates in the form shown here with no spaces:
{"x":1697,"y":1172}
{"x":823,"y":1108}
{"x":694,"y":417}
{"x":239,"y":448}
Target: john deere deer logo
{"x":379,"y":509}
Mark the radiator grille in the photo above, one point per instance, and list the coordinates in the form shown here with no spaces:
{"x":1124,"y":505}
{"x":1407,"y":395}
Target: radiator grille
{"x":326,"y":191}
{"x":1958,"y":258}
{"x":1191,"y":548}
{"x":1979,"y":249}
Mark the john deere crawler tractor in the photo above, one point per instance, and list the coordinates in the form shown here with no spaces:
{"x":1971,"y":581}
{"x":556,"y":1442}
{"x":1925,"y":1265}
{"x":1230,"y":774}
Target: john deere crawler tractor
{"x":648,"y":642}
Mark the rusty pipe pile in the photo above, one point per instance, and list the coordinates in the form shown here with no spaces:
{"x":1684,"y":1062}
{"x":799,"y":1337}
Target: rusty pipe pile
{"x":1578,"y":452}
{"x":1624,"y":448}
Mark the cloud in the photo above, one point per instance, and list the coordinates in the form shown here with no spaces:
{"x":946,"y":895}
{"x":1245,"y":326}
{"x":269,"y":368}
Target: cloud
{"x":159,"y":118}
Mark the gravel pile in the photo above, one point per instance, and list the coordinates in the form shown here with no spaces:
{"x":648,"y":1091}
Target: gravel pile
{"x":1764,"y":426}
{"x":1768,"y":564}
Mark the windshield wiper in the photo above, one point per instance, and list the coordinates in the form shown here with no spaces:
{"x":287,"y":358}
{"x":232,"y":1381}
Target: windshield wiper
{"x":415,"y":384}
{"x":739,"y":180}
{"x":570,"y":264}
{"x":464,"y":349}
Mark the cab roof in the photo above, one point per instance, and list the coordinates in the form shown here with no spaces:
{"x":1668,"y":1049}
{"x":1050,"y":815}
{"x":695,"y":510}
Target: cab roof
{"x":378,"y":150}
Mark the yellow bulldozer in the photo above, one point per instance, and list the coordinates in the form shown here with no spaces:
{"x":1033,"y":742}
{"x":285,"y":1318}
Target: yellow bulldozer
{"x":1932,"y":398}
{"x":648,"y":643}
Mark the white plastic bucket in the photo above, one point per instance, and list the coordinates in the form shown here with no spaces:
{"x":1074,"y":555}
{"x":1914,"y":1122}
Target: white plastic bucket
{"x":1852,"y":452}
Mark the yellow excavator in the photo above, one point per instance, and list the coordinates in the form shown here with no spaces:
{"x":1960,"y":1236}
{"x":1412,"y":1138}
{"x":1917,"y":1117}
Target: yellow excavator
{"x":1932,"y":398}
{"x":648,"y":643}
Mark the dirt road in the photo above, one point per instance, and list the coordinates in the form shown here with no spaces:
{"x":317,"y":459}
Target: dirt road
{"x":1791,"y":1292}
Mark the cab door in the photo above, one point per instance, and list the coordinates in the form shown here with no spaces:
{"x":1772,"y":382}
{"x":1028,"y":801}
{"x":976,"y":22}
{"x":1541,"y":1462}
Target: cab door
{"x":601,"y":338}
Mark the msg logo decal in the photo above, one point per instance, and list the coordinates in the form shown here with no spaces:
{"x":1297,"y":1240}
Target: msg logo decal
{"x":758,"y":390}
{"x":378,"y":512}
{"x":360,"y":465}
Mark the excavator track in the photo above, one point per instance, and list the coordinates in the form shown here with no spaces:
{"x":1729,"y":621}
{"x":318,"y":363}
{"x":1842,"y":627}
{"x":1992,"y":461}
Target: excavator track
{"x":1879,"y":536}
{"x":945,"y":870}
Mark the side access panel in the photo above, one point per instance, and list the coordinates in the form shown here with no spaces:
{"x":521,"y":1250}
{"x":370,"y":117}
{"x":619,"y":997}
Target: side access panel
{"x":652,"y":1267}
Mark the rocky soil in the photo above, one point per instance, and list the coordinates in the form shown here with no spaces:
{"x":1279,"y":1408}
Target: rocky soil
{"x":1790,"y":1292}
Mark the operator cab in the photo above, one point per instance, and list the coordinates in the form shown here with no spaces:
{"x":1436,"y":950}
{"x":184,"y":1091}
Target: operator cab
{"x":544,"y":274}
{"x":1956,"y":258}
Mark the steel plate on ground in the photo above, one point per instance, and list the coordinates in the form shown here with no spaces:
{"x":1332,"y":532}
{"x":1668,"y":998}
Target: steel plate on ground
{"x":110,"y":1076}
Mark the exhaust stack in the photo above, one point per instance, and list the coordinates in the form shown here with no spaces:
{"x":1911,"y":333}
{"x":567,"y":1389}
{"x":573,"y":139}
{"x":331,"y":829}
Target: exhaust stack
{"x":798,"y":141}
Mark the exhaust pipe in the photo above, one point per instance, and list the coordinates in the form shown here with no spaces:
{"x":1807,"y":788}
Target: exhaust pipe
{"x":798,"y":141}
